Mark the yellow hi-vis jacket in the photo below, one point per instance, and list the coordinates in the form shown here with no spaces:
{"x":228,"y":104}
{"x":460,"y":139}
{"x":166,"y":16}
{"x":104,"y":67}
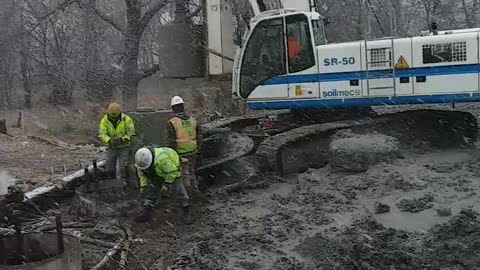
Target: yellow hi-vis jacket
{"x":185,"y":134}
{"x":166,"y":166}
{"x":124,"y":130}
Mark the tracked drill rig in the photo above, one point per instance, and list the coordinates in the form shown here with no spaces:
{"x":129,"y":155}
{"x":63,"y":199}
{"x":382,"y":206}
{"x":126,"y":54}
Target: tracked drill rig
{"x":286,"y":63}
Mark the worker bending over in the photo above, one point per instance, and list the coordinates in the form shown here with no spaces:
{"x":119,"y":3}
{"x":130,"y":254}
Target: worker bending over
{"x":159,"y":171}
{"x":116,"y":131}
{"x":182,"y":136}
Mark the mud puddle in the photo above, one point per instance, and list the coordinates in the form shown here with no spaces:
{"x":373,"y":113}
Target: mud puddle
{"x":323,"y":219}
{"x":320,"y":219}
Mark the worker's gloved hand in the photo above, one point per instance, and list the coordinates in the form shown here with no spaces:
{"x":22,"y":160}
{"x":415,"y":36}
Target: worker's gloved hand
{"x":114,"y":142}
{"x":164,"y":189}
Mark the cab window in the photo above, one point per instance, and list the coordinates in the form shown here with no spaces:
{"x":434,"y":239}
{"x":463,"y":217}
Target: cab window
{"x":318,"y":33}
{"x":299,"y":39}
{"x":264,"y":55}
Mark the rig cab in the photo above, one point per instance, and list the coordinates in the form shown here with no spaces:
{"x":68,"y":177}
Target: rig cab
{"x":280,"y":42}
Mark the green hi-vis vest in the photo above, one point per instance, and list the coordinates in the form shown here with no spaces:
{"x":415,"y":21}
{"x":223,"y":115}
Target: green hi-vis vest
{"x":166,"y":166}
{"x":185,"y":134}
{"x":123,"y":131}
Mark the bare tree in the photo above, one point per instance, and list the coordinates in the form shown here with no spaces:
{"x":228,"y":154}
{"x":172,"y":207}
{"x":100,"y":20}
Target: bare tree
{"x":98,"y":78}
{"x":348,"y":19}
{"x":100,"y":45}
{"x":8,"y":10}
{"x":57,"y":47}
{"x":471,"y":9}
{"x":431,"y":10}
{"x":138,"y":17}
{"x":25,"y":56}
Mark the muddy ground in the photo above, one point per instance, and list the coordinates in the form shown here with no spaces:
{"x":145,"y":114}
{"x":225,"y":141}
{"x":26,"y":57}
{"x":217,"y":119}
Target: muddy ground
{"x":325,"y":220}
{"x":49,"y":143}
{"x":419,"y":210}
{"x":56,"y":138}
{"x":36,"y":161}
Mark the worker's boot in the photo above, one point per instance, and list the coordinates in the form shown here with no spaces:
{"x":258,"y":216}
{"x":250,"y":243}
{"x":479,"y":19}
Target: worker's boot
{"x":145,"y":215}
{"x":186,"y":215}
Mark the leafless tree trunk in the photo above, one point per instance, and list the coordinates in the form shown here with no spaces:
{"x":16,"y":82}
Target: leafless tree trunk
{"x":399,"y":19}
{"x":133,"y":31}
{"x":27,"y":86}
{"x":470,"y":12}
{"x":24,"y":64}
{"x":431,"y":11}
{"x":133,"y":34}
{"x":97,"y":80}
{"x":6,"y":53}
{"x":361,"y":20}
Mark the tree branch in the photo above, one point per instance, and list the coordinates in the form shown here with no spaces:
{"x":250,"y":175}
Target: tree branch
{"x":61,"y":7}
{"x":107,"y":19}
{"x":146,"y":3}
{"x":147,"y":17}
{"x":149,"y":72}
{"x":194,"y":13}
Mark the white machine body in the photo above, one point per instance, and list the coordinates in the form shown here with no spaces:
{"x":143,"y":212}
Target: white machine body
{"x":286,"y":63}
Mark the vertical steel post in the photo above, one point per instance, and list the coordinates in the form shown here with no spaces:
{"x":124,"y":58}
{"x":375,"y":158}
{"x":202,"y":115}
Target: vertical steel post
{"x":3,"y":253}
{"x":20,"y":244}
{"x":60,"y":243}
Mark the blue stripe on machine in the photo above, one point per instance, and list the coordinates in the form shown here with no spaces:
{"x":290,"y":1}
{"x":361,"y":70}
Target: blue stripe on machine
{"x":358,"y":102}
{"x":374,"y":74}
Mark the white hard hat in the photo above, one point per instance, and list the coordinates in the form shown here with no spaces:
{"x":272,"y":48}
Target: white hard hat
{"x":143,"y":158}
{"x":176,"y":100}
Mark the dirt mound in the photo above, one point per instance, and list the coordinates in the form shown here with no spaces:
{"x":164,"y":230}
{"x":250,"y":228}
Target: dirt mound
{"x":465,"y":224}
{"x":368,"y":245}
{"x":416,"y":205}
{"x":455,"y":244}
{"x":364,"y":245}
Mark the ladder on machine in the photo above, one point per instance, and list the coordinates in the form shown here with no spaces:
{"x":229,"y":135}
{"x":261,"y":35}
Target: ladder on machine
{"x":389,"y":55}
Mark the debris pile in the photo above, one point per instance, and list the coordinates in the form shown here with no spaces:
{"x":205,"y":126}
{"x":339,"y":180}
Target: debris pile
{"x":416,"y":205}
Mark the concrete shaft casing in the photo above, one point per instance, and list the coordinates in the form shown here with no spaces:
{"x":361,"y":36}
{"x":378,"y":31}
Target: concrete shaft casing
{"x":42,"y":250}
{"x":180,"y":55}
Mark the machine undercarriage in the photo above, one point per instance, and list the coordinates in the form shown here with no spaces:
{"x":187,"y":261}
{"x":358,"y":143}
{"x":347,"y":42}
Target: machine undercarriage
{"x":287,"y":142}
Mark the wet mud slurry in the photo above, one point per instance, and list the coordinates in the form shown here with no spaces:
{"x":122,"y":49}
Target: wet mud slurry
{"x":369,"y":245}
{"x":328,"y":218}
{"x":414,"y":208}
